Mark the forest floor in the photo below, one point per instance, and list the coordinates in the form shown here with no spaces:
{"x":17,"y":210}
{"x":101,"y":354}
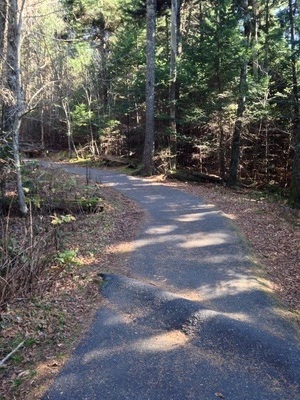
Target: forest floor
{"x":54,"y":323}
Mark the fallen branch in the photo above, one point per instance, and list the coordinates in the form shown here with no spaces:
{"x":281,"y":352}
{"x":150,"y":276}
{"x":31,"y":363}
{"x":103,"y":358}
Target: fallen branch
{"x":11,"y":353}
{"x":194,"y":176}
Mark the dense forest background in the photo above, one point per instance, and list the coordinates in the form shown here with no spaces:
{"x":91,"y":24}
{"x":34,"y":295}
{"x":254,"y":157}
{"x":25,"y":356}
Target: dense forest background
{"x":226,"y":92}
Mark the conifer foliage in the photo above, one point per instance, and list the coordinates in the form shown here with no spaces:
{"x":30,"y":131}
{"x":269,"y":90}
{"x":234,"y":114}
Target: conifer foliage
{"x":206,"y":86}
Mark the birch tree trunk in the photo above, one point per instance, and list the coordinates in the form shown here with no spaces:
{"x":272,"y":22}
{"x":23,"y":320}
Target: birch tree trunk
{"x":3,"y":16}
{"x":148,"y":154}
{"x":13,"y":111}
{"x":3,"y":41}
{"x":71,"y":144}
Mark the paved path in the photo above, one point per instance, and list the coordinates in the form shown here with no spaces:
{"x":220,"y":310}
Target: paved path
{"x":194,"y":323}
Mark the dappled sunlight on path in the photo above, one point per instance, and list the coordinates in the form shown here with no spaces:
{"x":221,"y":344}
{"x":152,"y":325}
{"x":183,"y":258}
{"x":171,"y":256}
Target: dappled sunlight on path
{"x":192,"y":320}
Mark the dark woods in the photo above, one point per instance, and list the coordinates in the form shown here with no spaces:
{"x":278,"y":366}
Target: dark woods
{"x":226,"y":98}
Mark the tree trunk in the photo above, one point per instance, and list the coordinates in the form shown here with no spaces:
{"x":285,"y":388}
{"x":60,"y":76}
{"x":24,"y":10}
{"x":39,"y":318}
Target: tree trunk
{"x":3,"y":13}
{"x":238,"y":126}
{"x":222,"y":144}
{"x":42,"y":129}
{"x":71,"y":144}
{"x":175,"y":6}
{"x":148,"y":164}
{"x":93,"y":146}
{"x":267,"y":38}
{"x":13,"y":112}
{"x":236,"y":137}
{"x":254,"y":34}
{"x":104,"y":77}
{"x":3,"y":42}
{"x":295,"y":184}
{"x":3,"y":19}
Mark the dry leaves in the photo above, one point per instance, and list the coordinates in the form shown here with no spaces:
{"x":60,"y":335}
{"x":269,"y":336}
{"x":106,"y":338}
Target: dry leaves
{"x":51,"y":325}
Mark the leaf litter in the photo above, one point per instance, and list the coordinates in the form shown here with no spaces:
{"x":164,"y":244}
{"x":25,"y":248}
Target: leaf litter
{"x":52,"y":323}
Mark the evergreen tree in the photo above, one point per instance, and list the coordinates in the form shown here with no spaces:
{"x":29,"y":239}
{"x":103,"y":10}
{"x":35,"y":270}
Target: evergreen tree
{"x":295,"y":187}
{"x":148,"y":167}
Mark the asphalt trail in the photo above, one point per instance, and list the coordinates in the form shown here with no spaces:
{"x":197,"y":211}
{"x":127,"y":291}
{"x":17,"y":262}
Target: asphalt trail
{"x":194,"y":323}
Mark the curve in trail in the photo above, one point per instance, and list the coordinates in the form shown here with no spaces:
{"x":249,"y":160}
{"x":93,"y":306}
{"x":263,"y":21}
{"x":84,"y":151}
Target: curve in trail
{"x":194,"y":323}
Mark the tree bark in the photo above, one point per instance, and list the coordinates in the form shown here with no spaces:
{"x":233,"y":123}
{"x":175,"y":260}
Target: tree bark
{"x":254,"y":35}
{"x":3,"y":41}
{"x":71,"y":144}
{"x":175,"y":6}
{"x":236,"y":137}
{"x":222,"y":145}
{"x":238,"y":126}
{"x":148,"y":164}
{"x":3,"y":19}
{"x":295,"y":184}
{"x":13,"y":112}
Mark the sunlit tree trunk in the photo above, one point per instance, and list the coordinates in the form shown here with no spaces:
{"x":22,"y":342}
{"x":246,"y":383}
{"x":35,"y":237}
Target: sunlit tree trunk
{"x":71,"y":144}
{"x":254,"y":34}
{"x":3,"y":11}
{"x":148,"y":154}
{"x":3,"y":19}
{"x":3,"y":27}
{"x":238,"y":126}
{"x":93,"y":145}
{"x":104,"y":74}
{"x":13,"y":111}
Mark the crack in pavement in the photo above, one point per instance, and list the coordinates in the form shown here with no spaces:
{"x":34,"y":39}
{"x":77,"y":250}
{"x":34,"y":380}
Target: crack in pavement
{"x":193,"y":322}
